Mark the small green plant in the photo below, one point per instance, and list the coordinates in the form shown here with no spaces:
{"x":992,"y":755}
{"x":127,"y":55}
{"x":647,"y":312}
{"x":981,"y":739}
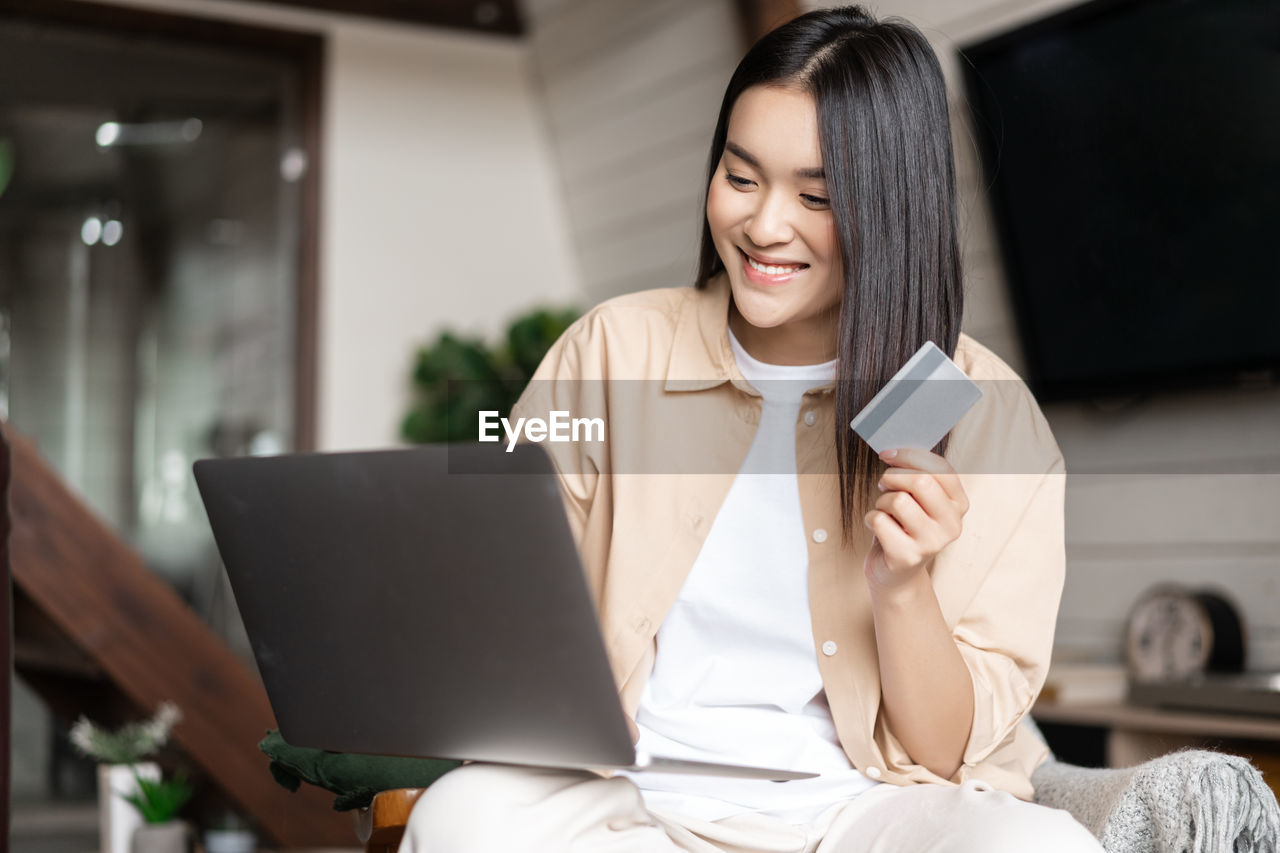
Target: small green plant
{"x":456,"y":378}
{"x":128,"y":744}
{"x":160,"y":801}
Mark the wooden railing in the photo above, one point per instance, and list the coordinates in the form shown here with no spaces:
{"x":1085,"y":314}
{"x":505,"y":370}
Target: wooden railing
{"x":95,"y":632}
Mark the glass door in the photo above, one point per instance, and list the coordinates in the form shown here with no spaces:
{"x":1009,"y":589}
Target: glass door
{"x":156,"y":270}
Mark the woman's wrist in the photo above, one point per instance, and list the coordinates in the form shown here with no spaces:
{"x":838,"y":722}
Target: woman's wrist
{"x":905,"y":597}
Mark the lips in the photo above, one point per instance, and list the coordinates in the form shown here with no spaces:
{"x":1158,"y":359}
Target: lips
{"x":783,"y":264}
{"x":766,"y":270}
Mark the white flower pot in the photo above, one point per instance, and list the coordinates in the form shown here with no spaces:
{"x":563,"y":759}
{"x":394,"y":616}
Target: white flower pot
{"x":229,"y":841}
{"x":117,"y":817}
{"x":167,"y":837}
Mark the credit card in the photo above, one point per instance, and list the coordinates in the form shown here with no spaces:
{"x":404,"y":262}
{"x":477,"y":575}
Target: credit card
{"x":919,"y":405}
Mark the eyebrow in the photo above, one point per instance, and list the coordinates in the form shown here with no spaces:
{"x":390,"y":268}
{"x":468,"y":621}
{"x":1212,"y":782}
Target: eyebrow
{"x":738,"y":151}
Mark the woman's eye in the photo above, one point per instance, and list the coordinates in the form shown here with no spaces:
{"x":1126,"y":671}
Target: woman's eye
{"x":742,"y":183}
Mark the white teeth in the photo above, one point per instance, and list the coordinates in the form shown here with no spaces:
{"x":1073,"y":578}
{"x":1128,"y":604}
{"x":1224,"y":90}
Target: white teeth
{"x":769,"y":270}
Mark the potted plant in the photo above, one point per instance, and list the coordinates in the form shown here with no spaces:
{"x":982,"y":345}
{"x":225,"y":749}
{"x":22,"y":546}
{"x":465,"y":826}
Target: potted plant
{"x":120,"y":755}
{"x":455,"y":378}
{"x":159,"y":801}
{"x":229,"y":834}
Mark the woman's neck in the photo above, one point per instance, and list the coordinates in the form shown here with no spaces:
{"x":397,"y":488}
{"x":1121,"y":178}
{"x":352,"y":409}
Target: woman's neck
{"x":811,"y":341}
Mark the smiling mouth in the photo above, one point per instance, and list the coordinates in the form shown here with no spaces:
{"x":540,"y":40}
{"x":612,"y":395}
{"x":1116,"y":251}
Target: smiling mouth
{"x":772,"y":269}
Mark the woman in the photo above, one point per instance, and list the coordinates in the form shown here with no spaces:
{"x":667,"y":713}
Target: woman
{"x":735,"y":617}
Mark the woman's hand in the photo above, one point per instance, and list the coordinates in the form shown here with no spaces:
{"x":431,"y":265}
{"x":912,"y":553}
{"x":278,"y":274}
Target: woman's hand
{"x":918,"y":515}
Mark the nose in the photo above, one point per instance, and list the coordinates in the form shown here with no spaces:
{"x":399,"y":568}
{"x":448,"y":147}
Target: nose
{"x":769,"y":224}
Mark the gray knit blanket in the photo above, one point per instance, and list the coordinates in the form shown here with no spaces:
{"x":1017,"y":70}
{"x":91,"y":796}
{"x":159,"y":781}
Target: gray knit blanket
{"x":1191,"y":801}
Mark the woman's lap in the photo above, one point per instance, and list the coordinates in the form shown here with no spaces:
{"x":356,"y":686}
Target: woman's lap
{"x":487,"y":808}
{"x":969,"y":818}
{"x":480,"y":807}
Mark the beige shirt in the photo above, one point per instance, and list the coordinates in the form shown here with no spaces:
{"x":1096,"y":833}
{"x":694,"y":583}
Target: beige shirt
{"x":679,"y":417}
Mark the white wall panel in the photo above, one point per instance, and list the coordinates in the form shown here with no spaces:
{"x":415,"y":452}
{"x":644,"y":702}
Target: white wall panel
{"x":631,"y":93}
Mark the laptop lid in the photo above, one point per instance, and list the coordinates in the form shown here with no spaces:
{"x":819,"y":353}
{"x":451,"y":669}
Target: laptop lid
{"x":394,"y":607}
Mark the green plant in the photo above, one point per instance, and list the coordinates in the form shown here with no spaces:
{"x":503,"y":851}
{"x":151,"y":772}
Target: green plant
{"x":128,"y":744}
{"x":456,"y":378}
{"x":160,"y":801}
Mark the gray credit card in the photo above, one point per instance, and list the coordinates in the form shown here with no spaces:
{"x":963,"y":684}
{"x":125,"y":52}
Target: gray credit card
{"x":919,"y":405}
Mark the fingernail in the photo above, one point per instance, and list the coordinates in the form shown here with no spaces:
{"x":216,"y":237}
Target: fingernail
{"x":889,"y":454}
{"x":880,"y":485}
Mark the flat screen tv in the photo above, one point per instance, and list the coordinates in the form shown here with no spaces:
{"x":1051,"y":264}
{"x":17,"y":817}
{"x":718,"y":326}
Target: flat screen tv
{"x":1131,"y":149}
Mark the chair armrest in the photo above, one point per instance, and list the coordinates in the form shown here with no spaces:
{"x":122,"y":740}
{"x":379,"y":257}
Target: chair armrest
{"x":381,"y":823}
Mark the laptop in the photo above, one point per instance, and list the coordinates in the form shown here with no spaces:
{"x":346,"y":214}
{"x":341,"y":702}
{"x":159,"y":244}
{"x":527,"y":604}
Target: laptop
{"x":427,"y":601}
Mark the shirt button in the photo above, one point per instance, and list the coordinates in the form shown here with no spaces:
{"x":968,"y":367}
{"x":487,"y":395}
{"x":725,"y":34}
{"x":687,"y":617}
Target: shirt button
{"x":810,"y":418}
{"x":829,"y":648}
{"x":819,"y":536}
{"x":872,"y":772}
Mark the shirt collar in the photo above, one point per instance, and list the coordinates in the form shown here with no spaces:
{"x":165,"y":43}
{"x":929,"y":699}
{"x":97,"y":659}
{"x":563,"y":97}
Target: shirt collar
{"x":700,"y":355}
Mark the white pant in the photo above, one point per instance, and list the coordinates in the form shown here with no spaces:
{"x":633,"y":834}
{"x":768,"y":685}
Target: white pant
{"x":492,"y":808}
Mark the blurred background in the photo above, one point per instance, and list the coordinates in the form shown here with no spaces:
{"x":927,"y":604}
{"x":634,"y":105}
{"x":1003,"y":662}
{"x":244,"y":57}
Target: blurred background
{"x":229,"y":227}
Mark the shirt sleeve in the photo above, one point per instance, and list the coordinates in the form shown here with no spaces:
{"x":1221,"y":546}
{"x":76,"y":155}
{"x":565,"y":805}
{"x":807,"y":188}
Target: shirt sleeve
{"x":1006,"y":635}
{"x":999,"y":585}
{"x":1005,"y":631}
{"x":568,"y":380}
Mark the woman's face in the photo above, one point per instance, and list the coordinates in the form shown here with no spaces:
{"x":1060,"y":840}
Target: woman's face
{"x":770,"y":218}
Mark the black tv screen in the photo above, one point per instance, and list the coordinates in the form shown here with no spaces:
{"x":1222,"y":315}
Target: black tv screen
{"x":1132,"y":153}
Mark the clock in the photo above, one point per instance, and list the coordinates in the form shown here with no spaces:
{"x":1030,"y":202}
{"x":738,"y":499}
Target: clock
{"x":1174,"y":633}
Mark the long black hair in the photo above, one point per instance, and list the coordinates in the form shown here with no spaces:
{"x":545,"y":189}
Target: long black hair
{"x":885,"y":137}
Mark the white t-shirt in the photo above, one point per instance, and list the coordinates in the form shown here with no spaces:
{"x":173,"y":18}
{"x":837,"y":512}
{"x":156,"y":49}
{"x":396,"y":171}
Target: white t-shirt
{"x":736,"y":675}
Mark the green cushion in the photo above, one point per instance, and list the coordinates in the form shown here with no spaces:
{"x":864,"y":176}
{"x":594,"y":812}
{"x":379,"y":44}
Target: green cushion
{"x":354,"y":777}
